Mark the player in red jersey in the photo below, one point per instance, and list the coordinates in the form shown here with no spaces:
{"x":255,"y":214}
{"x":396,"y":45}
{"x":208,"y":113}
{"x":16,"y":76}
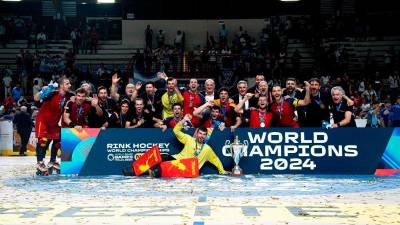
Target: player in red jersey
{"x":258,"y":117}
{"x":210,"y":116}
{"x":170,"y":122}
{"x":76,"y":112}
{"x":47,"y":126}
{"x":192,"y":99}
{"x":283,"y":108}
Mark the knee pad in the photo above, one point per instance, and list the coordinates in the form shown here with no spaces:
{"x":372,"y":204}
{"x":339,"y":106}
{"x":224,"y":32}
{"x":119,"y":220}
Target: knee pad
{"x":42,"y":142}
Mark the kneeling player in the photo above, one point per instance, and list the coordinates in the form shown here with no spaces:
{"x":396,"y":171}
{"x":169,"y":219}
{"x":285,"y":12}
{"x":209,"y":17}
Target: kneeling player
{"x":193,"y":147}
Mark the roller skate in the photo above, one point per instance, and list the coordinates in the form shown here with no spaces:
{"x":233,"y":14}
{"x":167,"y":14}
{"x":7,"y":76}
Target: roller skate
{"x":155,"y":172}
{"x":53,"y":167}
{"x":41,"y":169}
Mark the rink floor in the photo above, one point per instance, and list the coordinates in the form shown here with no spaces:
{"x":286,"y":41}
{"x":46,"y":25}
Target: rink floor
{"x":212,"y":199}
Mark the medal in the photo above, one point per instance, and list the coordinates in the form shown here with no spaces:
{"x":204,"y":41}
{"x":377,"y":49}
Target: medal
{"x":322,"y":106}
{"x":261,"y":118}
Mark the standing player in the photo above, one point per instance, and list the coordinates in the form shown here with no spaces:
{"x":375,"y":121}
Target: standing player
{"x":76,"y":113}
{"x":169,"y":98}
{"x":171,"y":122}
{"x":47,"y":124}
{"x":192,"y":99}
{"x":210,"y":116}
{"x":283,"y":108}
{"x":291,"y":91}
{"x":258,"y":117}
{"x":342,"y":112}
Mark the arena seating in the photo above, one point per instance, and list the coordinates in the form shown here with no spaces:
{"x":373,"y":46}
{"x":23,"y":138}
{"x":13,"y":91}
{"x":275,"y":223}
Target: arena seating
{"x":357,"y":50}
{"x":115,"y":53}
{"x":109,"y":53}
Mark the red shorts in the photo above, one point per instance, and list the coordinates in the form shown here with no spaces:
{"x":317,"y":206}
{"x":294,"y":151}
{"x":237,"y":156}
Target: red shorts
{"x":45,"y":130}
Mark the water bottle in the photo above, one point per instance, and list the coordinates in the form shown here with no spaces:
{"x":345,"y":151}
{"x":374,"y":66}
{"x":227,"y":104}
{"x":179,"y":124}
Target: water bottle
{"x":331,"y":120}
{"x":46,"y":92}
{"x":326,"y":124}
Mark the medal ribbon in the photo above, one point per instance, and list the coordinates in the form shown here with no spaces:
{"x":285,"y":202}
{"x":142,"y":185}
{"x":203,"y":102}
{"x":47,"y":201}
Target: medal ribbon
{"x":170,"y":98}
{"x":197,"y":150}
{"x":338,"y":106}
{"x":62,"y":103}
{"x":176,"y":121}
{"x":79,"y":112}
{"x":319,"y":99}
{"x":121,"y":121}
{"x":261,"y":117}
{"x":191,"y":98}
{"x":281,"y":107}
{"x":150,"y":102}
{"x":223,"y":109}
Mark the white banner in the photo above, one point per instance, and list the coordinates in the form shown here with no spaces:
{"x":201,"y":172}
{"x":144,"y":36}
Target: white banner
{"x":6,"y":137}
{"x":361,"y":122}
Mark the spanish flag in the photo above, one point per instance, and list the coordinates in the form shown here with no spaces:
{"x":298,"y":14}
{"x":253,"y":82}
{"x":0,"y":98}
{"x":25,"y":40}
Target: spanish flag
{"x":188,"y":167}
{"x":149,"y":159}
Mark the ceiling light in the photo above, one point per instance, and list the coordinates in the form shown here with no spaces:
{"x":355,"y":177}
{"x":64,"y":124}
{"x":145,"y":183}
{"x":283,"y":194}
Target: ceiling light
{"x":105,"y":1}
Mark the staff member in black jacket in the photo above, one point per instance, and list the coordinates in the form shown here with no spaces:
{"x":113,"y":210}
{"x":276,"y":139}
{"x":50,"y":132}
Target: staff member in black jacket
{"x":23,"y":122}
{"x":342,"y":113}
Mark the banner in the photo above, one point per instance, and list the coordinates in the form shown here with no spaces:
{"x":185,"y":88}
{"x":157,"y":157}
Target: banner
{"x":267,"y":151}
{"x":16,"y":143}
{"x":6,"y":137}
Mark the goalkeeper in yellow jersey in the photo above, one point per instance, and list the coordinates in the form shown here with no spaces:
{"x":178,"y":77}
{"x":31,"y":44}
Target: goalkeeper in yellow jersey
{"x":193,"y":147}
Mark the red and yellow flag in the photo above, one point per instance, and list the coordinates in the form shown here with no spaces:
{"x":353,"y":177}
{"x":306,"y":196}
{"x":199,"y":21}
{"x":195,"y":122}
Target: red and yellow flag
{"x":180,"y":168}
{"x":149,"y":159}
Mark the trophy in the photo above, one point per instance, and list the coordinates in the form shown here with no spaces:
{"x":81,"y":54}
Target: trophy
{"x":236,"y":151}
